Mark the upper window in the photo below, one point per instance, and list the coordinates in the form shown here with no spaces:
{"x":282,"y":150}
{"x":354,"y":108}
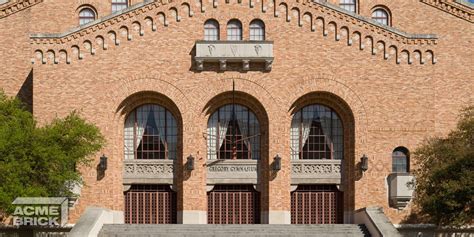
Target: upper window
{"x":86,"y":15}
{"x":211,"y":30}
{"x":316,"y":133}
{"x":257,"y":30}
{"x":233,"y":133}
{"x":150,"y":132}
{"x":118,"y":5}
{"x":381,"y":16}
{"x":400,"y":160}
{"x":349,"y":5}
{"x":234,"y":30}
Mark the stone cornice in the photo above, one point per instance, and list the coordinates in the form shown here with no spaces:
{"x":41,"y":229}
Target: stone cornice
{"x":459,"y":8}
{"x":320,"y":17}
{"x":15,"y":6}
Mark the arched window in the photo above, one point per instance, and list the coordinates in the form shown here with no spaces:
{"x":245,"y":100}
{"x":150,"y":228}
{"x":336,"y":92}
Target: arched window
{"x":257,"y":30}
{"x":233,"y":133}
{"x":118,"y":5}
{"x":316,"y":133}
{"x":211,"y":30}
{"x":349,"y":5}
{"x":150,"y":132}
{"x":400,"y":160}
{"x":381,"y":16}
{"x":234,"y":30}
{"x":86,"y":15}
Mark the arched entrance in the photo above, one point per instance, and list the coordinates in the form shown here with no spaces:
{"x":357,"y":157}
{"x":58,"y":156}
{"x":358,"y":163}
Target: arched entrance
{"x":152,"y":143}
{"x":237,"y":127}
{"x":322,"y":156}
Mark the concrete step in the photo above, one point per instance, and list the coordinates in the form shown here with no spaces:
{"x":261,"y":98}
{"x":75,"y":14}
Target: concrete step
{"x":342,"y":230}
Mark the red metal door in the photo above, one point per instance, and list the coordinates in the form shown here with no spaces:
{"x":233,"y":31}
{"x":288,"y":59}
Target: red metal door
{"x":233,"y":204}
{"x":150,"y":204}
{"x":317,"y":204}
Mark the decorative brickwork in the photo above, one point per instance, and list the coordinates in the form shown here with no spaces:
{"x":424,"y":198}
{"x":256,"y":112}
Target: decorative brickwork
{"x":389,"y":88}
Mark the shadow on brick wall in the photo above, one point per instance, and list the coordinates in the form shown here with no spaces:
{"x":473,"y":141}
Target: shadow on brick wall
{"x":25,"y":94}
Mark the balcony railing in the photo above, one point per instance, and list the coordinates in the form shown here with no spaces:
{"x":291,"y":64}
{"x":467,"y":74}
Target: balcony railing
{"x":246,"y":52}
{"x":316,"y":171}
{"x":148,"y":171}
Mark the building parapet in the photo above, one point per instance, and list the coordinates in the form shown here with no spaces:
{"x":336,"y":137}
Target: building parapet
{"x":8,"y":7}
{"x":146,"y":17}
{"x":459,"y":8}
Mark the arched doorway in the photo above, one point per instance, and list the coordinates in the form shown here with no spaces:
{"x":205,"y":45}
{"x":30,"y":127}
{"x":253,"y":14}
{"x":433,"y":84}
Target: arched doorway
{"x":322,"y":156}
{"x":151,"y":135}
{"x":237,"y":148}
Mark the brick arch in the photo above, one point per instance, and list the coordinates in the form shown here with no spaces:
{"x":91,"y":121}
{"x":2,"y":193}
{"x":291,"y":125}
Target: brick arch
{"x":345,"y":93}
{"x":123,"y":88}
{"x":129,"y":93}
{"x":149,"y":97}
{"x":242,"y":85}
{"x":346,"y":114}
{"x":240,"y":98}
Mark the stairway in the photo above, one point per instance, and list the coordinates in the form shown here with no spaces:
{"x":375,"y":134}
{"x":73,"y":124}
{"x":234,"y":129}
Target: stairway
{"x":127,"y":230}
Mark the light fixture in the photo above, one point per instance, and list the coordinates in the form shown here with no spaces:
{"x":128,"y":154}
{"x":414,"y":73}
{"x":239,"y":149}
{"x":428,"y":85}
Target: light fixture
{"x":103,"y":162}
{"x":190,"y":163}
{"x":364,"y":163}
{"x":277,"y":163}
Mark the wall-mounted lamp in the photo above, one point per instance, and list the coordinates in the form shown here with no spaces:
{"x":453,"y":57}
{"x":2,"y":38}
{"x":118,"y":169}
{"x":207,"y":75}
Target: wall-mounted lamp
{"x":190,"y":163}
{"x":364,"y":163}
{"x":277,"y":163}
{"x":103,"y":162}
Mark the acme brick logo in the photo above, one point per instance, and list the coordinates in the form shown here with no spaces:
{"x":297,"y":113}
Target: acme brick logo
{"x":38,"y":211}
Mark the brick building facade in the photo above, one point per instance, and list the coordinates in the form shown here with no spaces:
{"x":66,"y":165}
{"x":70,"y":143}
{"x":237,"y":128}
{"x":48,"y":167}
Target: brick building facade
{"x":391,"y":80}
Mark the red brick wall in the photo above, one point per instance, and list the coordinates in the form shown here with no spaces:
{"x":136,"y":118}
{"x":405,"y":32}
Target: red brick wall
{"x":393,"y":104}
